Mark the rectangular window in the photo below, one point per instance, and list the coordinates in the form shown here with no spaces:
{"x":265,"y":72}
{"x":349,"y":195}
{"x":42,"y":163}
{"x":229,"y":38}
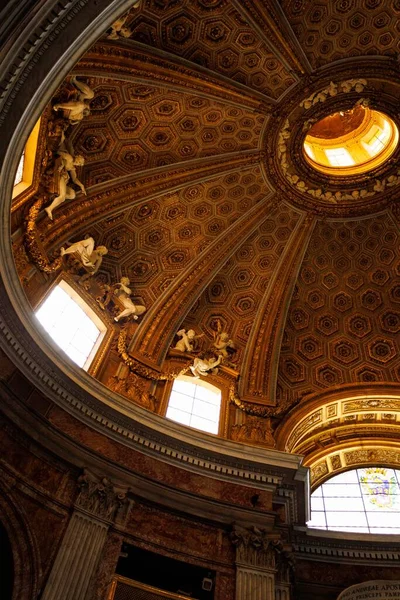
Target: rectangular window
{"x":339,"y":157}
{"x":197,"y":404}
{"x":72,"y":324}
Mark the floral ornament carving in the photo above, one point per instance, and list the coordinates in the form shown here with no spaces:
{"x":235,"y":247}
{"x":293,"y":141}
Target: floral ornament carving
{"x":254,"y":431}
{"x":133,"y":387}
{"x":378,"y":185}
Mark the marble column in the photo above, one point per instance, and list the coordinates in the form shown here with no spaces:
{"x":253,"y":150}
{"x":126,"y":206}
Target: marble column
{"x":262,"y":565}
{"x":98,"y":505}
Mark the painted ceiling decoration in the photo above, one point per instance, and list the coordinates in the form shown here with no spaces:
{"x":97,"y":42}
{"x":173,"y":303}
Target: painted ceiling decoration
{"x":190,"y":118}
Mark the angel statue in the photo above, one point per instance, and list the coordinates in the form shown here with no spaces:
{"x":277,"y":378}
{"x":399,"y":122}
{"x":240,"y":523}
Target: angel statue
{"x":89,"y":256}
{"x":222,"y":341}
{"x":187,"y":341}
{"x":67,"y":162}
{"x":124,"y":295}
{"x":79,"y":108}
{"x":205,"y":366}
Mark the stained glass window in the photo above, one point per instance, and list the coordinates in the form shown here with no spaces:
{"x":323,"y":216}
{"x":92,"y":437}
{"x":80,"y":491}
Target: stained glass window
{"x":195,"y":403}
{"x":361,"y":500}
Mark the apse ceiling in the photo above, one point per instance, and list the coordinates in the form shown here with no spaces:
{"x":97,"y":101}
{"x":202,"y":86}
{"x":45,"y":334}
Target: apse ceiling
{"x":197,"y":184}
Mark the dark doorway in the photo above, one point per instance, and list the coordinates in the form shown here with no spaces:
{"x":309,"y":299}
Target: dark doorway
{"x":166,"y":573}
{"x":7,"y":565}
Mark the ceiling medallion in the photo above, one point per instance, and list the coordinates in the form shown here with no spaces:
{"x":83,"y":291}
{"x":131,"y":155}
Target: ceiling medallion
{"x":360,"y":122}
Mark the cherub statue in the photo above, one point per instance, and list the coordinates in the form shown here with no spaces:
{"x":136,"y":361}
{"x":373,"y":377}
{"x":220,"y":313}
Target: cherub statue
{"x":89,"y":256}
{"x":118,"y":29}
{"x":186,"y":343}
{"x":79,"y":108}
{"x":222,"y":342}
{"x":124,"y":292}
{"x":67,"y":162}
{"x":204,"y":366}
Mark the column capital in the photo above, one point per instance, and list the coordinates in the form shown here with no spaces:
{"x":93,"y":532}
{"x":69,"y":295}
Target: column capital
{"x":260,"y":548}
{"x":101,"y":499}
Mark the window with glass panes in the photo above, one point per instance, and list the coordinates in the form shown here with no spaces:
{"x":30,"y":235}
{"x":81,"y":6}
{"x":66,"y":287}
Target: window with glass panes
{"x":361,"y":500}
{"x":195,"y":403}
{"x":71,"y":323}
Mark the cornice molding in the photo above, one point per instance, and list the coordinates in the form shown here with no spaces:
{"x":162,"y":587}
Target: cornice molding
{"x":110,"y":414}
{"x":279,"y":482}
{"x":330,"y":546}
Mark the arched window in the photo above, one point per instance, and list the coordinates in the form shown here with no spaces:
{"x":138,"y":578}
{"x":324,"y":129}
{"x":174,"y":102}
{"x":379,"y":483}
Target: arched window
{"x":72,"y":324}
{"x":361,"y":500}
{"x":195,"y":403}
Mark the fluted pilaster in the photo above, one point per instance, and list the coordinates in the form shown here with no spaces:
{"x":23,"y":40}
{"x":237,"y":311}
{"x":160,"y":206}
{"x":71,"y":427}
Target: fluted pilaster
{"x":252,"y":584}
{"x":263,"y":565}
{"x":77,"y":559}
{"x":97,"y":506}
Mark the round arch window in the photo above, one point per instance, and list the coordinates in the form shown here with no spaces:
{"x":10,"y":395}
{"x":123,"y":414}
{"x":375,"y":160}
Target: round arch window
{"x":361,"y":500}
{"x":351,"y":142}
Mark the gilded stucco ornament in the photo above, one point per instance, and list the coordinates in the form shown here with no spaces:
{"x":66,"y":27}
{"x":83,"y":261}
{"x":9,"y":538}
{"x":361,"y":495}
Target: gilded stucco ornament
{"x":254,"y":431}
{"x":376,"y":185}
{"x":134,"y":387}
{"x":33,"y":244}
{"x":260,"y":411}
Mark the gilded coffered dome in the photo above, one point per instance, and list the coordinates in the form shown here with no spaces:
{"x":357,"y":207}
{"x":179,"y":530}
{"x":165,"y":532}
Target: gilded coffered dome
{"x":202,"y":129}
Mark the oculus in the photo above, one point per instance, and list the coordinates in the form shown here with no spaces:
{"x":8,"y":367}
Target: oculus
{"x":350,"y":142}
